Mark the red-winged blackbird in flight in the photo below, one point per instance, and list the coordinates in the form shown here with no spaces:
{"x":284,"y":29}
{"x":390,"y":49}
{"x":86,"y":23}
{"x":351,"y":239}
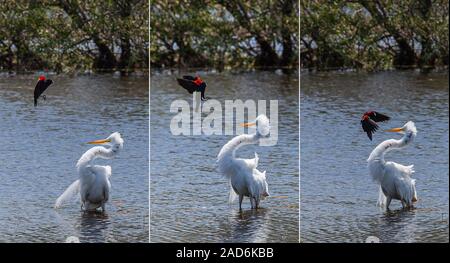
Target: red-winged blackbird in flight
{"x":369,"y":122}
{"x":41,"y":86}
{"x":192,"y":84}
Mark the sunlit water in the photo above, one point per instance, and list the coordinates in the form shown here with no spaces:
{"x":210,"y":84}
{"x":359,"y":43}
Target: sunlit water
{"x":189,"y":197}
{"x":337,"y":195}
{"x":40,"y":147}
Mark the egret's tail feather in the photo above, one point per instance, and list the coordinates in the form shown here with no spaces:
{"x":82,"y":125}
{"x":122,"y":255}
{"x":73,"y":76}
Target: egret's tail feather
{"x":232,"y":196}
{"x":381,"y":198}
{"x":71,"y":192}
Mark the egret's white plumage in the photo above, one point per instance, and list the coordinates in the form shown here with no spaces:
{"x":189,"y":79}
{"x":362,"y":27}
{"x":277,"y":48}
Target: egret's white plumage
{"x":93,"y":183}
{"x":244,"y":178}
{"x":394,"y":179}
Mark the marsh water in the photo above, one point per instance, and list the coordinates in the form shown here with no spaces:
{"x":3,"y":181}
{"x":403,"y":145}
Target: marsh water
{"x":337,"y":195}
{"x":41,"y":145}
{"x":188,"y":195}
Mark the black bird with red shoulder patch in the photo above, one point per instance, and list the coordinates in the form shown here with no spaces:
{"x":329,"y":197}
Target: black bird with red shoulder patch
{"x":192,"y":84}
{"x":41,"y":86}
{"x":369,"y":122}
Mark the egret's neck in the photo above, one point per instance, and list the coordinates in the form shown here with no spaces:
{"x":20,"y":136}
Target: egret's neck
{"x":97,"y":152}
{"x":230,"y":148}
{"x":388,"y":145}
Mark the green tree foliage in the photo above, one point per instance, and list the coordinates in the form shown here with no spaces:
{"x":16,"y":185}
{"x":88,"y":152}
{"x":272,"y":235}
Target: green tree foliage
{"x":68,"y":35}
{"x":224,"y":34}
{"x":374,"y":35}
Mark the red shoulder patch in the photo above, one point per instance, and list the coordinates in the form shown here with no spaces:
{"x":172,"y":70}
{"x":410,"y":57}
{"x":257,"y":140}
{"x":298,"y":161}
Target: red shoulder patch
{"x":198,"y":81}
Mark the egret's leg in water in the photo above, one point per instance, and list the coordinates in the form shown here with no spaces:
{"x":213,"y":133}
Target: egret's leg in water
{"x":388,"y":202}
{"x":252,"y":202}
{"x":103,"y":208}
{"x":404,"y":204}
{"x":257,"y":202}
{"x":241,"y":197}
{"x":87,"y":205}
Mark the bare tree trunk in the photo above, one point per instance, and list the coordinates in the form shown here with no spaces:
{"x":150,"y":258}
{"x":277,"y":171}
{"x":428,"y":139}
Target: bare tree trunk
{"x":405,"y":57}
{"x":267,"y":58}
{"x":287,"y":57}
{"x":105,"y":59}
{"x":125,"y":45}
{"x":427,"y":57}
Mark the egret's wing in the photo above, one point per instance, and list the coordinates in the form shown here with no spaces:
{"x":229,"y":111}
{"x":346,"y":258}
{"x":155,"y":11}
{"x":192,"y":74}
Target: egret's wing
{"x":257,"y":188}
{"x":106,"y":171}
{"x":398,"y":169}
{"x":406,"y":170}
{"x":70,"y":193}
{"x":400,"y":180}
{"x":102,"y":170}
{"x":404,"y":184}
{"x":252,"y":163}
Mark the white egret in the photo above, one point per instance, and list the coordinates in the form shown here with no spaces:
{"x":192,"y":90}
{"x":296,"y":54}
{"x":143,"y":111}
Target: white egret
{"x":93,"y":183}
{"x":244,"y":178}
{"x":394,"y":179}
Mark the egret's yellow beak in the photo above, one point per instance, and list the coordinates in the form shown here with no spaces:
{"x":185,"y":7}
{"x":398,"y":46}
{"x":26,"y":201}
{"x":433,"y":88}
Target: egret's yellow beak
{"x":248,"y":124}
{"x":394,"y":130}
{"x":100,"y":141}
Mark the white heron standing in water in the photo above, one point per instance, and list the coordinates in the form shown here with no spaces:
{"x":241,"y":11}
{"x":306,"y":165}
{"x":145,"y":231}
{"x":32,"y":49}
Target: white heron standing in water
{"x":394,"y":179}
{"x":244,"y":178}
{"x":93,"y":183}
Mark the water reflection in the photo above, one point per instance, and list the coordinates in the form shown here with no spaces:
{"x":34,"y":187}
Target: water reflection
{"x":93,"y":226}
{"x":253,"y":225}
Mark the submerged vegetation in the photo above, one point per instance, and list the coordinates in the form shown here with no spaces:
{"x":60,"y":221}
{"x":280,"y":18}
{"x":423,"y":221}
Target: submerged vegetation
{"x":73,"y":35}
{"x":224,"y":34}
{"x":374,"y":35}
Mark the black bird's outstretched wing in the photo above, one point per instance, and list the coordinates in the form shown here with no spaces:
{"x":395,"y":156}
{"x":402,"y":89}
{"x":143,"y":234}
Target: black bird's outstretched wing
{"x":369,"y":126}
{"x":41,"y":86}
{"x":189,"y":77}
{"x":377,"y":117}
{"x":369,"y":122}
{"x":189,"y":85}
{"x":192,"y":84}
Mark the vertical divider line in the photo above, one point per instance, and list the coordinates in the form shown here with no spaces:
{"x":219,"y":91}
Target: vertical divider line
{"x":299,"y":125}
{"x":149,"y":122}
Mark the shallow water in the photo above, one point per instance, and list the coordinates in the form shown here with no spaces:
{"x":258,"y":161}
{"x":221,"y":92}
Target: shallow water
{"x":189,"y":197}
{"x":337,"y":195}
{"x":40,"y":147}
